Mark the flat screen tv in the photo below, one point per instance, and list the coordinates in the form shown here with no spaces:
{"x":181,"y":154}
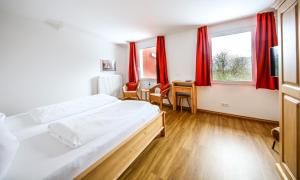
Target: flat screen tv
{"x":274,"y":61}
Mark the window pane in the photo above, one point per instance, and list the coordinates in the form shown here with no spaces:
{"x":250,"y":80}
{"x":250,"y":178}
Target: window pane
{"x":148,"y":63}
{"x":231,"y":57}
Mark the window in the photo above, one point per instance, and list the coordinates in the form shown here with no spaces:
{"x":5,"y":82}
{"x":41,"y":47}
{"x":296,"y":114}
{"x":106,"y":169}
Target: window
{"x":232,"y":58}
{"x":148,"y":63}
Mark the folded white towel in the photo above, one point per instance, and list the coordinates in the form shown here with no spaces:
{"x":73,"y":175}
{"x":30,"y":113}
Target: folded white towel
{"x":80,"y":130}
{"x":62,"y":110}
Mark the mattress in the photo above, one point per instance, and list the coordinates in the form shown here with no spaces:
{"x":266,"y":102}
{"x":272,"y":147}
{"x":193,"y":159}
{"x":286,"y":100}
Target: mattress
{"x":40,"y":156}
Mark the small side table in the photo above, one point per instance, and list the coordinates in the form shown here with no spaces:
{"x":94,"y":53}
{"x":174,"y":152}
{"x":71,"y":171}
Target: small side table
{"x":146,"y":93}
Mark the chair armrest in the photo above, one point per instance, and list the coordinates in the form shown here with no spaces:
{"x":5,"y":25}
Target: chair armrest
{"x":165,"y":92}
{"x":152,"y":90}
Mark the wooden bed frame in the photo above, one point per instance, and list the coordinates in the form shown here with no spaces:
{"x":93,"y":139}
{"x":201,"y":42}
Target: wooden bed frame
{"x":113,"y":164}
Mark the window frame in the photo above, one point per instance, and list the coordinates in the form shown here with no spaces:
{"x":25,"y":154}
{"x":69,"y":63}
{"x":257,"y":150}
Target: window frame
{"x":140,"y":70}
{"x":253,"y":55}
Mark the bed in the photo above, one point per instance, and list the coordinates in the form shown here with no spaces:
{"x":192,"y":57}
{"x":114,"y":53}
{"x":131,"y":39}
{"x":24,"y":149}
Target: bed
{"x":41,"y":156}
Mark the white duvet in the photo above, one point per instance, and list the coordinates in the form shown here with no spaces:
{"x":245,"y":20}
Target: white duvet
{"x":80,"y":130}
{"x":40,"y":156}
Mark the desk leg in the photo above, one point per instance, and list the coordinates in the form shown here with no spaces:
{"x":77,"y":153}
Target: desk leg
{"x":174,"y":99}
{"x":194,"y":99}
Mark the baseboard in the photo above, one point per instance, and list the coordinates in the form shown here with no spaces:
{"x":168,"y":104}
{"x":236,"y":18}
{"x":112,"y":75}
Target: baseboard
{"x":229,"y":115}
{"x":239,"y":116}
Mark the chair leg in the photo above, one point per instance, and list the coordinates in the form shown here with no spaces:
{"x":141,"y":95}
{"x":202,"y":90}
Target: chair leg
{"x":160,"y":104}
{"x":187,"y":99}
{"x":181,"y":101}
{"x":169,"y":101}
{"x":273,"y":146}
{"x":177,"y":102}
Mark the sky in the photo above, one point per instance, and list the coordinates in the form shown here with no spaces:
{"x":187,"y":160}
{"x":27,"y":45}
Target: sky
{"x":236,"y":44}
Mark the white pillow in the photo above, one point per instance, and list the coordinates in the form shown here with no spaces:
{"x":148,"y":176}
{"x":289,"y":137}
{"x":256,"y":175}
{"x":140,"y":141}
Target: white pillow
{"x":58,"y":111}
{"x":8,"y":149}
{"x":2,"y":117}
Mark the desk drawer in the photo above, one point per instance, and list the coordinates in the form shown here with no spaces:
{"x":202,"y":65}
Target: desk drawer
{"x":183,"y":89}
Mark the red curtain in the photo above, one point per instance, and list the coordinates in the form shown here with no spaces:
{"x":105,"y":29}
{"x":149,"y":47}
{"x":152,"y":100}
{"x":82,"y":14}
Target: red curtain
{"x":161,"y":61}
{"x":133,"y":67}
{"x":265,"y":38}
{"x":202,"y":58}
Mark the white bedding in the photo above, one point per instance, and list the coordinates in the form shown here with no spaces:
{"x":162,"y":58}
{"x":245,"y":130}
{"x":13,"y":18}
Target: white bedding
{"x":41,"y":156}
{"x":77,"y":131}
{"x":61,"y":110}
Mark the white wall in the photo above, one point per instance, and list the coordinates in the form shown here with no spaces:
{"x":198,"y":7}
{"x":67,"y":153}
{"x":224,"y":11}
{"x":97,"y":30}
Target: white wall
{"x":41,"y":65}
{"x":243,"y":100}
{"x":122,"y":57}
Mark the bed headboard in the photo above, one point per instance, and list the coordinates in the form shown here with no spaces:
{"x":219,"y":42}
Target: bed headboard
{"x":110,"y":84}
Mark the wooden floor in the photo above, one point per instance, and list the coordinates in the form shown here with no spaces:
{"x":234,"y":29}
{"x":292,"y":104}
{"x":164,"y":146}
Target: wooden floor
{"x":209,"y":147}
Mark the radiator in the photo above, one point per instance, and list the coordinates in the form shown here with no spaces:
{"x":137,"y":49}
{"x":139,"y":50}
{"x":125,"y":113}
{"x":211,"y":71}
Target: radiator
{"x":110,"y":84}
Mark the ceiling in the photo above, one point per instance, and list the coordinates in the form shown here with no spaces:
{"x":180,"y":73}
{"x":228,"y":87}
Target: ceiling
{"x":132,"y":20}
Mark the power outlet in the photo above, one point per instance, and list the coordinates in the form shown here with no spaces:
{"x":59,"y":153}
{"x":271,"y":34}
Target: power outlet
{"x":224,"y":104}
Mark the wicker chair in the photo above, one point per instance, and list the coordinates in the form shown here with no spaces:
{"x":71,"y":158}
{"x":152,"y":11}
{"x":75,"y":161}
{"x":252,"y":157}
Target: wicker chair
{"x":156,"y":96}
{"x":128,"y":94}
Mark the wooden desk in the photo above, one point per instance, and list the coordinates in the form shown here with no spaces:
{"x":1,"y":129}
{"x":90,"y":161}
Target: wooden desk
{"x":185,"y":87}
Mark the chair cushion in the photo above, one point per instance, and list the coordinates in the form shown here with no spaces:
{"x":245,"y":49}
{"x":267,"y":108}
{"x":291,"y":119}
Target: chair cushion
{"x":155,"y":94}
{"x":183,"y":94}
{"x":131,"y":86}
